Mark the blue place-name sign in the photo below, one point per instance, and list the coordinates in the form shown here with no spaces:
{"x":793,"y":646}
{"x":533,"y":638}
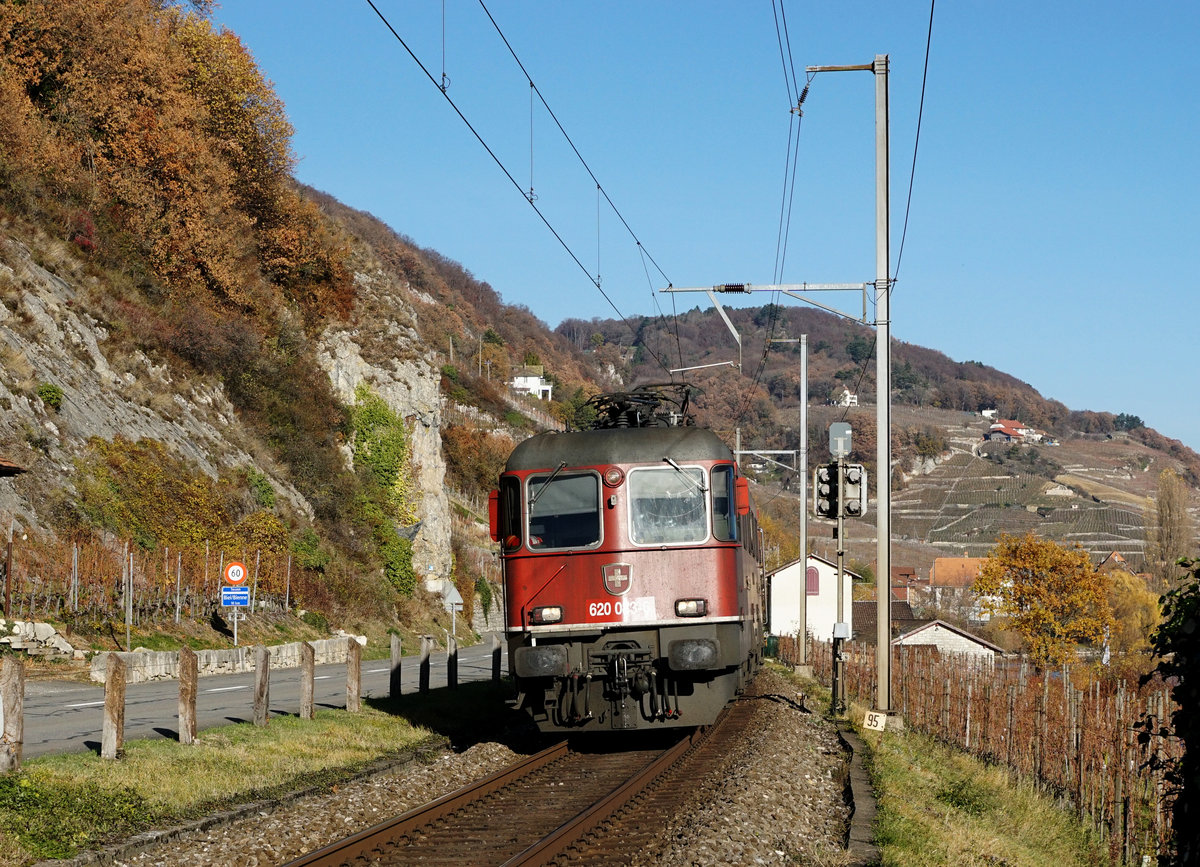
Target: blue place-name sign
{"x":235,"y":597}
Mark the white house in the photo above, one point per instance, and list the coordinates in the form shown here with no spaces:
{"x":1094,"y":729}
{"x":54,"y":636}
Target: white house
{"x":819,"y":580}
{"x":528,"y":380}
{"x":950,"y":640}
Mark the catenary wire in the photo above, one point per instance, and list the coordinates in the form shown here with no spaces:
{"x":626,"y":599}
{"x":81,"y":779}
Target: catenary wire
{"x":787,"y":199}
{"x":908,"y":204}
{"x":562,"y":242}
{"x":554,"y":117}
{"x":916,"y":140}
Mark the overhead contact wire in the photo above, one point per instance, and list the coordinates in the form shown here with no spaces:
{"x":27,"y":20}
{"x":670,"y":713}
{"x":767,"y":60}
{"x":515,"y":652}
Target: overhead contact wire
{"x":566,"y":136}
{"x":908,"y":204}
{"x":595,"y":282}
{"x":916,"y":140}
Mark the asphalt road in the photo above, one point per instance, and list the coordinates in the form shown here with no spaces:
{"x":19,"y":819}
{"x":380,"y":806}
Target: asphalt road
{"x":67,"y":717}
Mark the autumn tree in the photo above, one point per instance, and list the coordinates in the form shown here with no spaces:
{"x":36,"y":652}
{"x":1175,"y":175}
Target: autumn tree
{"x":1051,"y":595}
{"x":1135,"y":612}
{"x":1170,"y":534}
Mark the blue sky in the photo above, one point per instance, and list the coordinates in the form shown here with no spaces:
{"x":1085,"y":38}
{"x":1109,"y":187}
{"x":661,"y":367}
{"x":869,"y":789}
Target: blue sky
{"x":1054,"y":213}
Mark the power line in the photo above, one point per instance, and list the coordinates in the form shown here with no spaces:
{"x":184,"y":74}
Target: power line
{"x":554,"y":117}
{"x":593,"y":280}
{"x":916,"y":141}
{"x":908,"y":204}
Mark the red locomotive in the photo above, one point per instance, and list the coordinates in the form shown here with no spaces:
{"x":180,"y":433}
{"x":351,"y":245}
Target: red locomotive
{"x":632,"y":569}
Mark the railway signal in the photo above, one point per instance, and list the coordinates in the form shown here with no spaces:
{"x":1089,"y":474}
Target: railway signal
{"x":825,"y":490}
{"x":854,"y":490}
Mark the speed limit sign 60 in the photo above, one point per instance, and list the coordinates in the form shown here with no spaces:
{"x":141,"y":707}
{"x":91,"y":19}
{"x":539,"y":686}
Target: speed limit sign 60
{"x":235,"y":572}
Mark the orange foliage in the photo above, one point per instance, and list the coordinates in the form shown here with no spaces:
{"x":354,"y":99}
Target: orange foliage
{"x":1051,"y":594}
{"x":140,"y":110}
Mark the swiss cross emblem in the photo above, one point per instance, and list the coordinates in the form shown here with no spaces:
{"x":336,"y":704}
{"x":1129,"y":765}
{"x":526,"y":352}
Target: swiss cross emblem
{"x":617,"y":578}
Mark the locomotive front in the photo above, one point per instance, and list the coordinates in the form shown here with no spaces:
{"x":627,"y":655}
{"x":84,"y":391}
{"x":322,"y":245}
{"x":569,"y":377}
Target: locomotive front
{"x":632,"y":572}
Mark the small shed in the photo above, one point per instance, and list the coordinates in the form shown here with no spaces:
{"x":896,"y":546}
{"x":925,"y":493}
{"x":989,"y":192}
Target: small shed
{"x":819,"y":579}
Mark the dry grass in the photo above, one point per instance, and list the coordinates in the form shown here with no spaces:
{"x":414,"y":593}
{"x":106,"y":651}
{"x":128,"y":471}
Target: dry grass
{"x":938,"y":806}
{"x":1105,"y":492}
{"x":59,"y":805}
{"x":18,"y":372}
{"x":236,"y":763}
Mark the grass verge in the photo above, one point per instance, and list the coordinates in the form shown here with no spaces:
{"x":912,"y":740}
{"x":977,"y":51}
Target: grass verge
{"x":939,"y":806}
{"x":57,"y":806}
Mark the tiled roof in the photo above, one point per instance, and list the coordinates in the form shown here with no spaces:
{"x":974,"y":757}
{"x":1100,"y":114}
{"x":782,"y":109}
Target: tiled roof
{"x":955,"y":571}
{"x":944,"y":625}
{"x":903,"y":619}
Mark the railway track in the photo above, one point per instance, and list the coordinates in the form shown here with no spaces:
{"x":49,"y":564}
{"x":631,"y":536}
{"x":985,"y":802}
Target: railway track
{"x":562,"y":805}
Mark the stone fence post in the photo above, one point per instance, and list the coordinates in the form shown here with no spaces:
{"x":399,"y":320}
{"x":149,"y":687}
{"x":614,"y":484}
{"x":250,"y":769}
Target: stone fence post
{"x":353,"y":676}
{"x":394,"y":681}
{"x":307,"y":673}
{"x":262,"y":685}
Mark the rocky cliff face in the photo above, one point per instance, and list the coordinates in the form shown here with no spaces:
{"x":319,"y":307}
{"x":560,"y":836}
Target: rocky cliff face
{"x":107,"y":389}
{"x":383,"y":350}
{"x":47,"y":339}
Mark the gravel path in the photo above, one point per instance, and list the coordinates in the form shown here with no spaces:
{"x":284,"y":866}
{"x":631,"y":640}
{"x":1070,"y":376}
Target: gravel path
{"x":777,"y":799}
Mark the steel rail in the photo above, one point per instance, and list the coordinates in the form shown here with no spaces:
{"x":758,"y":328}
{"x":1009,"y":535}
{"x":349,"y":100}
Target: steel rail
{"x":343,"y":851}
{"x":550,"y":847}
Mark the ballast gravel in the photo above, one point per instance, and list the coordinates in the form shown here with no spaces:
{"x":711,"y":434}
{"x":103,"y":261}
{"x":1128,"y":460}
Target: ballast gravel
{"x":778,"y":798}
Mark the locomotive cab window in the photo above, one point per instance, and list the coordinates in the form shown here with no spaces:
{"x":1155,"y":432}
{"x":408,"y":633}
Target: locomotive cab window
{"x":564,"y":511}
{"x":668,"y":505}
{"x":724,"y":498}
{"x":510,"y":512}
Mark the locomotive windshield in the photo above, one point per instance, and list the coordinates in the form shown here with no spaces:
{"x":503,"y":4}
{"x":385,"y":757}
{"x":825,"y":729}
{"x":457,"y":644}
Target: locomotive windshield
{"x":564,"y":511}
{"x":668,"y":505}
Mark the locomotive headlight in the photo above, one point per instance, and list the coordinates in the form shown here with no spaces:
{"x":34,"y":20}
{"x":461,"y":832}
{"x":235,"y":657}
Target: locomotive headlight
{"x":546,"y":614}
{"x":613,"y":476}
{"x":691,"y":607}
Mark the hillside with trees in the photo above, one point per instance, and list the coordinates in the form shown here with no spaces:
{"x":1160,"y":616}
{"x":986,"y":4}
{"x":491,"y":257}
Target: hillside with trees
{"x":186,"y":331}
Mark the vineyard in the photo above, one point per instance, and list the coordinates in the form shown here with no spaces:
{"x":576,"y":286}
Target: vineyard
{"x":1073,"y":735}
{"x":93,"y":583}
{"x":967,"y":501}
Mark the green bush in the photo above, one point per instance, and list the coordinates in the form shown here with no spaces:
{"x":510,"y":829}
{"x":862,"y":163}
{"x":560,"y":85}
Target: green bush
{"x":397,"y":564}
{"x":308,"y":551}
{"x":966,"y":796}
{"x":260,"y":488}
{"x":51,"y":395}
{"x":315,"y":620}
{"x":56,"y":822}
{"x":484,"y":591}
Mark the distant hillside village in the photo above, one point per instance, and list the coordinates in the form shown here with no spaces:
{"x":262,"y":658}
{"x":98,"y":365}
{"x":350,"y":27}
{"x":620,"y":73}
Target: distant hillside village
{"x":1009,"y":430}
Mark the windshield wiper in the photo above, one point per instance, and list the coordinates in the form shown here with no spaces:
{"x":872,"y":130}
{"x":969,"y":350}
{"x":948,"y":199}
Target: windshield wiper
{"x":545,"y":485}
{"x":702,"y":488}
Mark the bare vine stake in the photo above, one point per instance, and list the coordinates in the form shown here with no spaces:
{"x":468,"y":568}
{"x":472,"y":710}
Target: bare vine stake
{"x":127,"y":576}
{"x":178,"y":585}
{"x":970,"y":683}
{"x":74,"y":577}
{"x":254,"y":588}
